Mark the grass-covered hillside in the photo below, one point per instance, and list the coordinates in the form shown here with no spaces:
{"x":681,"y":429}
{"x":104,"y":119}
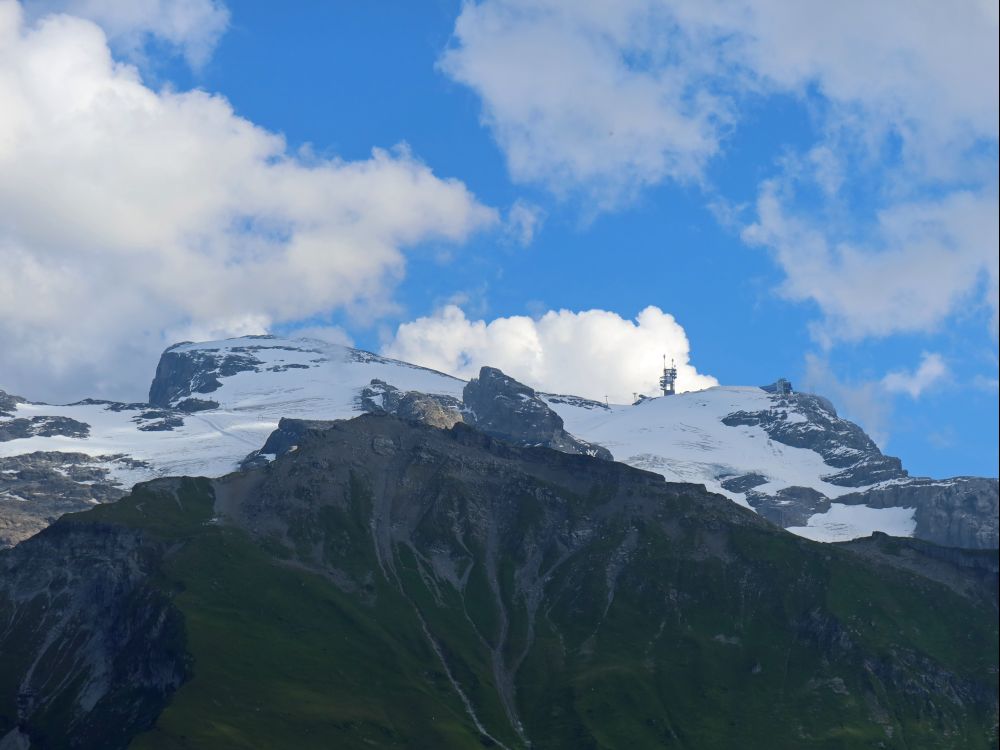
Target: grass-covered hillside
{"x":392,"y":585}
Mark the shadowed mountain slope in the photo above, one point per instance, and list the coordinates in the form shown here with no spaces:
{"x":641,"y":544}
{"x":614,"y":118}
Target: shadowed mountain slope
{"x":388,"y":584}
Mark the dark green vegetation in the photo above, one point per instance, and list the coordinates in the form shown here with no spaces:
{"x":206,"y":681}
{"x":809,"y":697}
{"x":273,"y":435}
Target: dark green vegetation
{"x":393,"y":585}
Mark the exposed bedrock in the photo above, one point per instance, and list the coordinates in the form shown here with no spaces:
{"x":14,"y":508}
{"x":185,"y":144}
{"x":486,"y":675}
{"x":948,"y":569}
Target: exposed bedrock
{"x":502,"y":407}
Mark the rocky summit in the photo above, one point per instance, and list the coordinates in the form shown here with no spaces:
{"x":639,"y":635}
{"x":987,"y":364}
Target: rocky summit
{"x":390,"y":584}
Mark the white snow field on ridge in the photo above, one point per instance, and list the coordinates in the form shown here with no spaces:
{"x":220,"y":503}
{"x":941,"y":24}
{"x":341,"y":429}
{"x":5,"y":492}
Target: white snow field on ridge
{"x":683,"y":438}
{"x":295,"y":378}
{"x":241,"y":388}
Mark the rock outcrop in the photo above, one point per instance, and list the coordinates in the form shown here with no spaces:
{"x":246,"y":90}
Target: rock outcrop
{"x":37,"y":488}
{"x":182,"y":373}
{"x":842,"y":444}
{"x":958,"y":512}
{"x":16,"y":429}
{"x":435,"y":410}
{"x":90,"y":651}
{"x":8,"y":404}
{"x":495,"y":403}
{"x":789,"y":506}
{"x":502,"y":407}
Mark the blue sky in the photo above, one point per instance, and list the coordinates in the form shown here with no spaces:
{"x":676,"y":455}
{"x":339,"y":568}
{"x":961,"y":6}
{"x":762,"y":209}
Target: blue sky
{"x":801,"y":209}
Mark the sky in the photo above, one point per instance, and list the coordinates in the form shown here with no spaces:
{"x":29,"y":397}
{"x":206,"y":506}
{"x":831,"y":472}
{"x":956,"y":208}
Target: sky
{"x":568,"y":190}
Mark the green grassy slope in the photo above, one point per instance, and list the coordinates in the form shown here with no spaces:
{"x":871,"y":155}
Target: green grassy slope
{"x":280,"y":656}
{"x":571,"y":610}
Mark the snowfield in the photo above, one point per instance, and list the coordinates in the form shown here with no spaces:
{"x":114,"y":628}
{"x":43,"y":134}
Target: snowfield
{"x":843,"y":522}
{"x":683,"y":438}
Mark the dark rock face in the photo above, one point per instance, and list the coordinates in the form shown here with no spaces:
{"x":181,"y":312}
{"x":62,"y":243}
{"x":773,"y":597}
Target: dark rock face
{"x":180,"y":374}
{"x":790,"y":506}
{"x":97,"y":651}
{"x":508,"y":409}
{"x":283,"y":440}
{"x":436,"y":410}
{"x":37,"y":488}
{"x":494,"y":403}
{"x":8,"y":404}
{"x":744,"y":483}
{"x":191,"y":405}
{"x":502,"y":407}
{"x":16,"y":429}
{"x":959,"y":512}
{"x":842,"y":444}
{"x":158,"y":420}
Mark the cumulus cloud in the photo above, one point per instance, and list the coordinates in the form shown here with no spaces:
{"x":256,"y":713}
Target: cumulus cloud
{"x":605,"y":98}
{"x":593,"y":353}
{"x":924,"y":261}
{"x":128,"y":216}
{"x":587,"y":95}
{"x":931,"y":371}
{"x":911,"y":114}
{"x":192,"y":27}
{"x":630,"y":91}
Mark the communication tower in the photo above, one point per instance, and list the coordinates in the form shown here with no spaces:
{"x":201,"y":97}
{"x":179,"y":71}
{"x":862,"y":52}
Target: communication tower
{"x":668,"y":378}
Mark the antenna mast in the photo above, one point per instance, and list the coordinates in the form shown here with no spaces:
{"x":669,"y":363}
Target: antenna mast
{"x":669,"y":377}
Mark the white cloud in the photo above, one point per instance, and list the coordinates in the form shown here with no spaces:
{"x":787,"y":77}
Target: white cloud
{"x":609,"y":97}
{"x":931,"y":371}
{"x":129,"y":215}
{"x":589,"y":95}
{"x":593,"y":353}
{"x":193,"y":27}
{"x":579,"y":92}
{"x":924,"y":261}
{"x":910,"y":130}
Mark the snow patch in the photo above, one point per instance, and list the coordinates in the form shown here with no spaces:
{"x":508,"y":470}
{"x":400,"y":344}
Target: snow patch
{"x":845,"y":522}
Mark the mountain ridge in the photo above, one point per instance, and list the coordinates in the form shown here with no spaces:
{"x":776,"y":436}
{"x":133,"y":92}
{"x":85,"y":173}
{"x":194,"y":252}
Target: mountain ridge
{"x":789,"y":456}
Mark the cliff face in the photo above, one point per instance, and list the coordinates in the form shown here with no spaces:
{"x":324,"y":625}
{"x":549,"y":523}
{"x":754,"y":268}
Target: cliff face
{"x":37,"y":488}
{"x":181,"y":374}
{"x":494,"y":403}
{"x":89,"y":650}
{"x":842,"y":444}
{"x":502,"y":407}
{"x":959,"y":512}
{"x":393,"y":585}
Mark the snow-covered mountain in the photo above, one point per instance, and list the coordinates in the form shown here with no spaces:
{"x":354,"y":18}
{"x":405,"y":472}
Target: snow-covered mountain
{"x":211,"y":404}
